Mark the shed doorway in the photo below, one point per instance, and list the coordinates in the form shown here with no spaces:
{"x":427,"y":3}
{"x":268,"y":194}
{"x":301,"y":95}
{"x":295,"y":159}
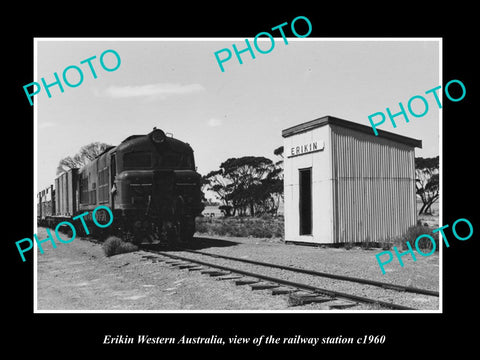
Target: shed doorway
{"x":305,"y":201}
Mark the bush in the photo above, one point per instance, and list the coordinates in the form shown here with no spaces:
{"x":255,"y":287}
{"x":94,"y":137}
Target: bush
{"x":411,"y":235}
{"x":201,"y":226}
{"x":424,"y":243}
{"x":266,"y":216}
{"x":113,"y":246}
{"x":278,"y":231}
{"x":386,"y":245}
{"x":258,"y":231}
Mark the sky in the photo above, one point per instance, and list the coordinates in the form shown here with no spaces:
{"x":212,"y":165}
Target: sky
{"x":176,"y":85}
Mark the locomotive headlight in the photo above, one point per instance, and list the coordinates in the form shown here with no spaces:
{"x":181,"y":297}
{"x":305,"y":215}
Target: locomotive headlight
{"x":158,"y":136}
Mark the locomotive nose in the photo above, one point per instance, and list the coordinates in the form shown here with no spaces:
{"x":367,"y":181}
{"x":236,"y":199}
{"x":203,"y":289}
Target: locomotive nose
{"x":177,"y":191}
{"x":163,"y":191}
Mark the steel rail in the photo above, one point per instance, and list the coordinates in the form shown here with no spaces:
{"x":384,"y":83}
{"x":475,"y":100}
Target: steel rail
{"x":290,"y":283}
{"x":323,"y":274}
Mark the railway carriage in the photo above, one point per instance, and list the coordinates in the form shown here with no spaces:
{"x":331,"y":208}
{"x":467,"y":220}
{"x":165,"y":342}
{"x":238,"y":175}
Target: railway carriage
{"x":148,"y":181}
{"x":45,"y":205}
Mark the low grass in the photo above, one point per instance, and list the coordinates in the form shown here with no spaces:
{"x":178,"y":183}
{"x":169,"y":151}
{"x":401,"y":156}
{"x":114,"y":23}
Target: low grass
{"x":265,"y":226}
{"x":114,"y":245}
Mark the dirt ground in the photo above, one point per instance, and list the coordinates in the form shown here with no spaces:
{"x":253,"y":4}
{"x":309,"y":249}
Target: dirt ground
{"x":78,"y":276}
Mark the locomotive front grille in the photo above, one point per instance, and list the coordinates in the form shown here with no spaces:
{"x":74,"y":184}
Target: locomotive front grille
{"x":141,"y":188}
{"x":140,"y":193}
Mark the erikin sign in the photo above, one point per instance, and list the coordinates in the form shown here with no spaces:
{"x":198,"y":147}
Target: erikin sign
{"x":311,"y":147}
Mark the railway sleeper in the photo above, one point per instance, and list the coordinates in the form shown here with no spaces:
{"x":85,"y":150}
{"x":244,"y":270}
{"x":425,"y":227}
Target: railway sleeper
{"x":246,"y":281}
{"x":187,"y":266}
{"x":215,"y":272}
{"x":152,"y":258}
{"x":284,"y":290}
{"x":339,"y":304}
{"x":196,"y":268}
{"x":263,"y":286}
{"x":178,"y":264}
{"x":230,"y":277}
{"x":296,"y":299}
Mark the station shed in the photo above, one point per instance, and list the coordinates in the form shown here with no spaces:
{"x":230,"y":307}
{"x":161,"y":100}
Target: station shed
{"x":343,"y":184}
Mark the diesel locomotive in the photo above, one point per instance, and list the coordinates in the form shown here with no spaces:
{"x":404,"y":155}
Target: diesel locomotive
{"x":149,"y":182}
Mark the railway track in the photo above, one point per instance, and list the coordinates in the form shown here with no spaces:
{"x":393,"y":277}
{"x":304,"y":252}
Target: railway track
{"x":323,"y":274}
{"x":298,"y":293}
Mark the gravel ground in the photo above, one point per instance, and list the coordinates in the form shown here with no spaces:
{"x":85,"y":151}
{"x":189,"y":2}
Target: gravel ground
{"x":416,"y":301}
{"x":422,"y":273}
{"x":78,"y":276}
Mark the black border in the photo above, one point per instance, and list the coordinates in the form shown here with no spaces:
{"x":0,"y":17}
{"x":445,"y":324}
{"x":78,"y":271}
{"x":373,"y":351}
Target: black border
{"x":82,"y":334}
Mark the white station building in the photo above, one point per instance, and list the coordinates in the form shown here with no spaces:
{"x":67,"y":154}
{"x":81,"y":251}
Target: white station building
{"x":344,"y":184}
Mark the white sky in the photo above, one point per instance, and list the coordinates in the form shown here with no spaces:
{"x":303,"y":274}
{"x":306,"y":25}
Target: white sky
{"x":177,"y":86}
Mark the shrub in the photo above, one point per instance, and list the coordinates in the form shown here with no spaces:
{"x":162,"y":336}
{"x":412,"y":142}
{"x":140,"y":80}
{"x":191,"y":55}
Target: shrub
{"x":114,"y":245}
{"x":241,"y":231}
{"x":266,"y":216}
{"x":367,"y":244}
{"x":201,"y":226}
{"x":386,"y":245}
{"x":424,"y":243}
{"x":278,"y":231}
{"x":223,"y":229}
{"x":411,"y":235}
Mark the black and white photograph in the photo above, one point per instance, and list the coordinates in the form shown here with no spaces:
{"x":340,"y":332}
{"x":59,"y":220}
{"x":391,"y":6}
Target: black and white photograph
{"x":263,"y":184}
{"x":255,"y":183}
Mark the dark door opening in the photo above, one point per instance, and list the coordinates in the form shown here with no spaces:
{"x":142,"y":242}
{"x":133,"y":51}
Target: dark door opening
{"x":305,"y":188}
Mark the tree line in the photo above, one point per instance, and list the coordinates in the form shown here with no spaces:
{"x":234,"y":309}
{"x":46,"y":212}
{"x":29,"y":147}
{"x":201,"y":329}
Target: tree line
{"x":249,"y":185}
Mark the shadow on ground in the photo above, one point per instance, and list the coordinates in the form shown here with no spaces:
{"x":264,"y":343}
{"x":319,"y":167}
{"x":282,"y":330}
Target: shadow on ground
{"x":198,"y":243}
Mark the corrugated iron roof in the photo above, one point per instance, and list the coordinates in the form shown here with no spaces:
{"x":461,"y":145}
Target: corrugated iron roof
{"x":312,"y":124}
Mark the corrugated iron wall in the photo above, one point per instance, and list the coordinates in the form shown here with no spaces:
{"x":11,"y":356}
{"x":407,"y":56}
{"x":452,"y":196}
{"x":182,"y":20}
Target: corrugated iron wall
{"x":374,"y":187}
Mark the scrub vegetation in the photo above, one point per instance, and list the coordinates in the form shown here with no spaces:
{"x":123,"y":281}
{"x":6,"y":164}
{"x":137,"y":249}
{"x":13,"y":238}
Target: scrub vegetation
{"x":114,"y":245}
{"x":424,"y":244}
{"x":265,"y":226}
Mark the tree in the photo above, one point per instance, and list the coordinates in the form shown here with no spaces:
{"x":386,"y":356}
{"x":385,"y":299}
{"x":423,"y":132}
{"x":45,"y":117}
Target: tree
{"x":244,"y":183}
{"x":427,"y":182}
{"x":270,"y":192}
{"x":226,"y":210}
{"x":248,"y":175}
{"x":277,"y":180}
{"x":86,"y":154}
{"x":214,"y":181}
{"x":279,"y":152}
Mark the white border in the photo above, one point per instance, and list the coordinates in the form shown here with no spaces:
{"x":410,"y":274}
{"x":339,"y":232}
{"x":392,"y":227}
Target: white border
{"x":35,"y":179}
{"x":307,"y":39}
